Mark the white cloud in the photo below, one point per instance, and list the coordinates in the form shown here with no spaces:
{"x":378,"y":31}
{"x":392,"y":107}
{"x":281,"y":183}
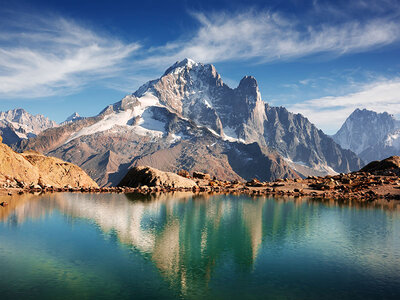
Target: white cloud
{"x":329,"y":113}
{"x":41,"y":57}
{"x":267,"y":37}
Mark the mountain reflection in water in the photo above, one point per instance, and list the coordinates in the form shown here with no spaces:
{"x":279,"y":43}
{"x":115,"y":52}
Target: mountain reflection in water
{"x":186,"y":237}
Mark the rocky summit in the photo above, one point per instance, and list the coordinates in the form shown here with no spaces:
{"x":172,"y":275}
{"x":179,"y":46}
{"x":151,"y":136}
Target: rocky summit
{"x":190,"y":119}
{"x":34,"y":170}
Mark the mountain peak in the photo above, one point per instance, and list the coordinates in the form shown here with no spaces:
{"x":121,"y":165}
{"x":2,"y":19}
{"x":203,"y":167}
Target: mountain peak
{"x":362,"y":113}
{"x":72,"y":118}
{"x":179,"y":65}
{"x":248,"y":81}
{"x":248,"y":86}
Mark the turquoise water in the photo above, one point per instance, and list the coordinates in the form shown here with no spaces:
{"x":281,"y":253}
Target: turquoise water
{"x":115,"y":246}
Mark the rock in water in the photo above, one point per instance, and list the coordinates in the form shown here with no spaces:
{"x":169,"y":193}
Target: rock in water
{"x":143,"y":175}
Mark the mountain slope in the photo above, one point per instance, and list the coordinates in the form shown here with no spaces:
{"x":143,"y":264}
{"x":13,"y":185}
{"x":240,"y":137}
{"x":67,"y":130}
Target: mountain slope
{"x":190,"y":119}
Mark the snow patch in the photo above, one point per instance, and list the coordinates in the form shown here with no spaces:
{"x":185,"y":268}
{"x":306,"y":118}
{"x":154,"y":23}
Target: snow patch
{"x":393,"y":140}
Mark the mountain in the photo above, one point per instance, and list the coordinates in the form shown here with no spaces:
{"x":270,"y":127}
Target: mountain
{"x":72,"y":118}
{"x":17,"y":124}
{"x":372,"y":135}
{"x":189,"y":119}
{"x":364,"y":128}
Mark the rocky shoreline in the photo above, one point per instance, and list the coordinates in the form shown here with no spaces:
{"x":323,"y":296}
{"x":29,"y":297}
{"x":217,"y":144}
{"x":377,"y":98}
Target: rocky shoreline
{"x":379,"y":180}
{"x":358,"y":186}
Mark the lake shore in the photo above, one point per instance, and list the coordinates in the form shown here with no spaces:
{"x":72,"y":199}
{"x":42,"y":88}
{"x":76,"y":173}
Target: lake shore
{"x":358,"y":186}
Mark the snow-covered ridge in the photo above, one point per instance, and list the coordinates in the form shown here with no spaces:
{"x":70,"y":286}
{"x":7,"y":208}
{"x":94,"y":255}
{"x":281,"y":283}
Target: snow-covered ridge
{"x":138,"y":119}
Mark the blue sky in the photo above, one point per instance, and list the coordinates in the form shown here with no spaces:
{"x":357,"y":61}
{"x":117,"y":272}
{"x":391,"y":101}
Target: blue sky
{"x":320,"y":58}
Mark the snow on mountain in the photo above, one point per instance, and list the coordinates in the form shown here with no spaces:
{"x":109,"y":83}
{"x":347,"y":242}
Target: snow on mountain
{"x":393,"y":140}
{"x":189,"y":118}
{"x":139,"y":119}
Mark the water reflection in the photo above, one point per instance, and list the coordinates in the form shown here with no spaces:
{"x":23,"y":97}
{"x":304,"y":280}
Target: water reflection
{"x":187,"y":236}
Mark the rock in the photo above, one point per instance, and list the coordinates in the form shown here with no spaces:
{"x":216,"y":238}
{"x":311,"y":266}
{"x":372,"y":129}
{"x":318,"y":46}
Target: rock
{"x":255,"y":182}
{"x":146,"y":176}
{"x":184,"y":173}
{"x":201,"y":175}
{"x":378,"y":167}
{"x":39,"y":169}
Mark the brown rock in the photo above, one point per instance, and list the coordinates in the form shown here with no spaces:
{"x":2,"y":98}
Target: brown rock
{"x":201,"y":175}
{"x":36,"y":168}
{"x":144,"y":177}
{"x":184,"y":173}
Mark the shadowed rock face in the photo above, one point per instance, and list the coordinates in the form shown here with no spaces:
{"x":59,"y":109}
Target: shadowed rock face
{"x":189,"y":119}
{"x":140,"y":176}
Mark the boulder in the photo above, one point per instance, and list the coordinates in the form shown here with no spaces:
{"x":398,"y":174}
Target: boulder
{"x":201,"y":175}
{"x":184,"y":173}
{"x":146,"y":176}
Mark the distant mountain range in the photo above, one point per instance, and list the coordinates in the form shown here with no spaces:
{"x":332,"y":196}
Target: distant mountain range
{"x":371,"y":135}
{"x":190,"y":119}
{"x":18,"y":124}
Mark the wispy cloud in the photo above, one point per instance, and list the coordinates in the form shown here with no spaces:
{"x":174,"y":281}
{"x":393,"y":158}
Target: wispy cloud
{"x":329,"y":113}
{"x":266,"y":37}
{"x":44,"y":56}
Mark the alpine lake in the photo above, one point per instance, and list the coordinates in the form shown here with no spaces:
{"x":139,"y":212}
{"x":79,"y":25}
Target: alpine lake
{"x":186,"y":246}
